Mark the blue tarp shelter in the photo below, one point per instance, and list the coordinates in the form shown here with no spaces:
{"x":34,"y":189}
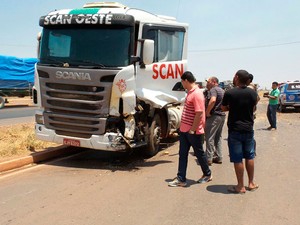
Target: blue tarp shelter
{"x":16,"y":73}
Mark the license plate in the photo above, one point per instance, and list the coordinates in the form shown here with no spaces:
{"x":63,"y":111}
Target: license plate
{"x":71,"y":142}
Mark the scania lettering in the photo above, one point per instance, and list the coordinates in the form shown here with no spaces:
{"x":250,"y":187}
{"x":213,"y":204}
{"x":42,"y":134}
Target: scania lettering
{"x":108,"y":77}
{"x":73,"y":75}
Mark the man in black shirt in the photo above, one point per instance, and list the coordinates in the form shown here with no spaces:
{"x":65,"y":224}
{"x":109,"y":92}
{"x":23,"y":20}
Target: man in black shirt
{"x":241,"y":102}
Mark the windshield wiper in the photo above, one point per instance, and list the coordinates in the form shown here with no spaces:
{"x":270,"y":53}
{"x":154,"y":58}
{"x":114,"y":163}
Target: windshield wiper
{"x":52,"y":62}
{"x":89,"y":64}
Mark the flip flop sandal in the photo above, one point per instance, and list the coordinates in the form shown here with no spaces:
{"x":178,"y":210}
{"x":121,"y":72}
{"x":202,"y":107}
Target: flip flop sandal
{"x":233,"y":190}
{"x":254,"y":188}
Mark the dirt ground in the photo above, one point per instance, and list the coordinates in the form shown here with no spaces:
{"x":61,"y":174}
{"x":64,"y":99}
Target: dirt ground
{"x":19,"y":140}
{"x":18,"y":101}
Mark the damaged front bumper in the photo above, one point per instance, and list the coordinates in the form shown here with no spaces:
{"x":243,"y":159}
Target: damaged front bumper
{"x":108,"y":141}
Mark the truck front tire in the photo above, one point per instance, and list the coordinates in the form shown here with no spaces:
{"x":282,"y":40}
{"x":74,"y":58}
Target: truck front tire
{"x":154,"y":136}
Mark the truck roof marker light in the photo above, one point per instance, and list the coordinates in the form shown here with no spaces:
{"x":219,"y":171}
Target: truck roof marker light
{"x":104,"y":5}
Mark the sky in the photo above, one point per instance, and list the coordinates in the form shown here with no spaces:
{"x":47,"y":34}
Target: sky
{"x":260,"y":36}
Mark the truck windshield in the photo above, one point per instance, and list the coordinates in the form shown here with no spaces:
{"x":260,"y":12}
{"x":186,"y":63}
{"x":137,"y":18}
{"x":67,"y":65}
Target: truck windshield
{"x":86,"y":47}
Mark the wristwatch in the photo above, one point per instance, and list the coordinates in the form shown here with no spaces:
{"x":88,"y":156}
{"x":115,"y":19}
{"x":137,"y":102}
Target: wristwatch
{"x":192,"y":132}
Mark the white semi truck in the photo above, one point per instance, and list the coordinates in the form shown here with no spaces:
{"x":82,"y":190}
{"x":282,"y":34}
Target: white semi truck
{"x":108,"y":77}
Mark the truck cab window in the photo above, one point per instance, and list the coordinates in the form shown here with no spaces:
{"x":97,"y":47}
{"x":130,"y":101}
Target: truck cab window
{"x":168,"y":43}
{"x":59,"y":45}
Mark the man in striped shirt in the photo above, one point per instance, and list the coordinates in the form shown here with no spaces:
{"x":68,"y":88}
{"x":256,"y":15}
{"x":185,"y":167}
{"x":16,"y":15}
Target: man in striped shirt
{"x":192,"y":132}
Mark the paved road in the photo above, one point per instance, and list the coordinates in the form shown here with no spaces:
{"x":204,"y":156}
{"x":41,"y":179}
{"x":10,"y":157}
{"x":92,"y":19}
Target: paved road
{"x":92,"y":188}
{"x":15,"y":115}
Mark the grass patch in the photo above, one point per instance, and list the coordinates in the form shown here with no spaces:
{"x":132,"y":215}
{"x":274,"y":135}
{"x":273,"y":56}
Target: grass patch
{"x":19,"y":140}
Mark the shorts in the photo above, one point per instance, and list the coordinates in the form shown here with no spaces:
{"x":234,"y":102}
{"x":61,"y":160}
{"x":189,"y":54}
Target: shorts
{"x":241,"y":145}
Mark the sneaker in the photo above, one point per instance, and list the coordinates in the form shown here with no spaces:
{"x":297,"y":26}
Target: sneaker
{"x":177,"y":183}
{"x":272,"y":129}
{"x":205,"y":179}
{"x":217,"y":161}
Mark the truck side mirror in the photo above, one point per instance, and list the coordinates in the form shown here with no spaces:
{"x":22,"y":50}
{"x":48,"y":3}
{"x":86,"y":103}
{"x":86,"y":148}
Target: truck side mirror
{"x":178,"y":87}
{"x":148,"y":51}
{"x":34,"y":95}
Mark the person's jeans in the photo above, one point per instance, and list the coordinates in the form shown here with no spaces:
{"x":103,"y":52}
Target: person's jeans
{"x":186,"y":141}
{"x":271,"y":114}
{"x":213,"y":136}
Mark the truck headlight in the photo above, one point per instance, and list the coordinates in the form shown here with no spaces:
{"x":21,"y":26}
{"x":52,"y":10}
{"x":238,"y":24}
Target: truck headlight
{"x":39,"y":119}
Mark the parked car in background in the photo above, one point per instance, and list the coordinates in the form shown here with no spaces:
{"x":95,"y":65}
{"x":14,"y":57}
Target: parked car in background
{"x":226,"y":84}
{"x":201,"y":85}
{"x":289,"y":95}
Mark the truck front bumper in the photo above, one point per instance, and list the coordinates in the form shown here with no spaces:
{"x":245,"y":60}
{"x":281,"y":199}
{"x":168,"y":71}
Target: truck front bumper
{"x":107,"y":142}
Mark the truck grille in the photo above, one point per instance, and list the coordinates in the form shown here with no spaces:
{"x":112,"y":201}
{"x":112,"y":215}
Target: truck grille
{"x":73,"y":107}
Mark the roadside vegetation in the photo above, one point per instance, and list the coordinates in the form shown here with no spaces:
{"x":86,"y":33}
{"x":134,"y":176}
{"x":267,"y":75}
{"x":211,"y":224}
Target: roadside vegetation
{"x":19,"y":140}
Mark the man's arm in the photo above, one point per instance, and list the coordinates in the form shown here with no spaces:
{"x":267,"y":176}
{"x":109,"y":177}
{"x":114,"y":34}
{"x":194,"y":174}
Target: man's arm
{"x":272,"y":97}
{"x":197,"y":120}
{"x":210,"y":106}
{"x":225,"y":102}
{"x":257,"y":100}
{"x":225,"y":108}
{"x":275,"y":96}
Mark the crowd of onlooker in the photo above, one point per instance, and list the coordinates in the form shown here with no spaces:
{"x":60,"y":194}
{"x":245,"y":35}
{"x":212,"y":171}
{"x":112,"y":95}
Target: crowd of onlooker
{"x":203,"y":118}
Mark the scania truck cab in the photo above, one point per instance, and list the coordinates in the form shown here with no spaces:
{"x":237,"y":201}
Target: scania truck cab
{"x":108,"y":77}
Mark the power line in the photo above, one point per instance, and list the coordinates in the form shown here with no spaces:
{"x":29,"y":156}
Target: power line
{"x":244,"y":48}
{"x":178,"y":8}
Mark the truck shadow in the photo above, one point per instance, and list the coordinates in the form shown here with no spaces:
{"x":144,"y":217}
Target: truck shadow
{"x":112,"y":161}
